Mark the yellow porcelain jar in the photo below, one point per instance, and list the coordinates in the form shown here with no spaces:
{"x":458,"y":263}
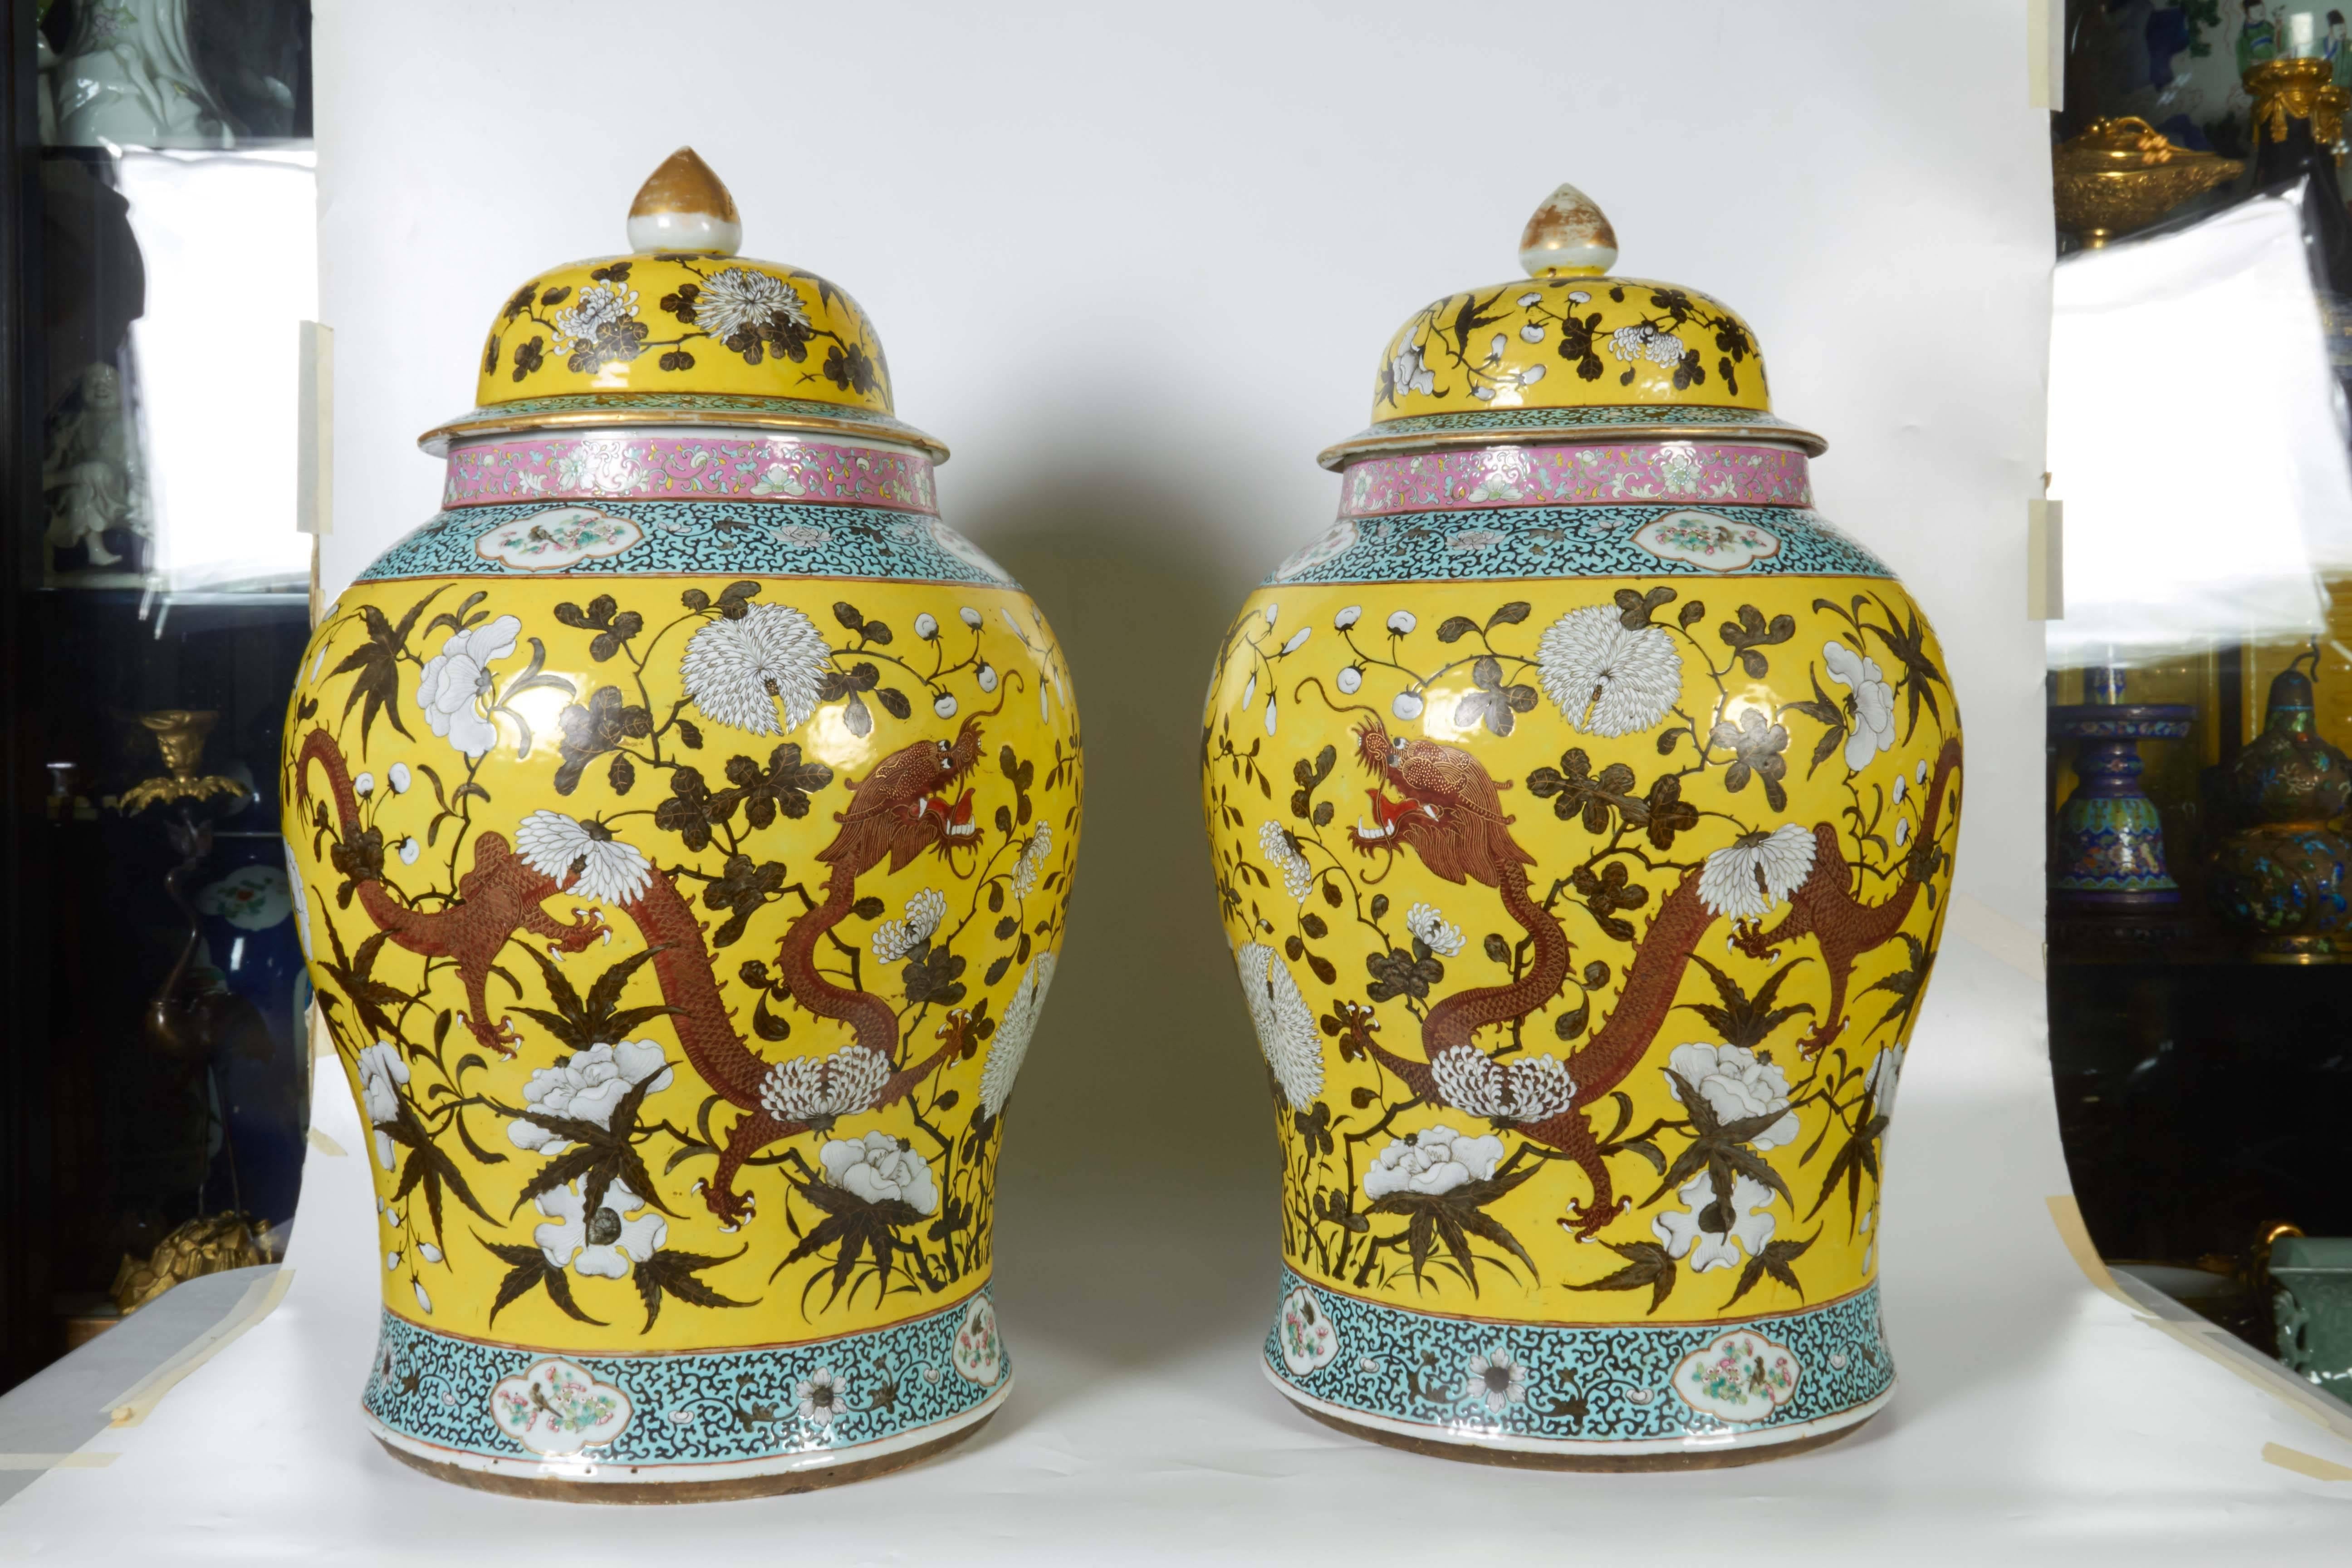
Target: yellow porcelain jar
{"x":682,"y":822}
{"x":1582,"y":805}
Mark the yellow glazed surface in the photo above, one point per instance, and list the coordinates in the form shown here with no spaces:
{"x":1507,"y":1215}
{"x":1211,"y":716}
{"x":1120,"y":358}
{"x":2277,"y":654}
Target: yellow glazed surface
{"x":677,"y":322}
{"x":1740,"y":905}
{"x":581,"y":698}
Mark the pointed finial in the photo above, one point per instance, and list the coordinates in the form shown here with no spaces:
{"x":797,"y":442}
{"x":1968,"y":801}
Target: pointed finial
{"x":682,"y":205}
{"x":1569,"y":237}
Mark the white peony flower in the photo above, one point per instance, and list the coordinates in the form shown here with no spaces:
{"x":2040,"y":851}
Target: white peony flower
{"x":1436,"y":1160}
{"x":1402,"y":622}
{"x":587,"y":1087}
{"x":1283,"y":855}
{"x":1871,"y":717}
{"x":1757,"y":872}
{"x":1284,"y":1024}
{"x":455,"y":685}
{"x":1010,"y":1044}
{"x":1425,"y":922}
{"x":739,"y":297}
{"x":1031,"y":860}
{"x":1514,"y":1090}
{"x":552,"y":844}
{"x":1886,"y":1073}
{"x":1684,"y":1234}
{"x":1409,"y":373}
{"x":1495,"y":1378}
{"x":603,"y":1243}
{"x":382,"y":1070}
{"x":881,"y":1169}
{"x":894,"y":940}
{"x":812,"y":1089}
{"x":735,"y":671}
{"x":1609,"y":679}
{"x":819,"y":1396}
{"x":1735,"y":1085}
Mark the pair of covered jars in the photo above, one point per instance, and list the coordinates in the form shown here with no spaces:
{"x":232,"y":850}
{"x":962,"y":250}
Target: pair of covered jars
{"x":682,"y":823}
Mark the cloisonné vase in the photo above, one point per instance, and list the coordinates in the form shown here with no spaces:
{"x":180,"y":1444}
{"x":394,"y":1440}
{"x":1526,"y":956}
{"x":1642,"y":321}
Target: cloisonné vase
{"x":1582,"y":805}
{"x":682,"y":822}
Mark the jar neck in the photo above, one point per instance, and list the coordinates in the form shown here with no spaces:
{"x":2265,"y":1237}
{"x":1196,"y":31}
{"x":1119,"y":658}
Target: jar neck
{"x":1697,"y":473}
{"x":705,"y":463}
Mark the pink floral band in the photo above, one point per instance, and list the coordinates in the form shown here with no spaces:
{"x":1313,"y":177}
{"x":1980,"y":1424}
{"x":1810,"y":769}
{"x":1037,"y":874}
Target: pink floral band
{"x":687,"y":467}
{"x":1657,"y":471}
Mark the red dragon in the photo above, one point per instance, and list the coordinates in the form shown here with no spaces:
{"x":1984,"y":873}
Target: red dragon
{"x":1448,"y":811}
{"x":897,"y":812}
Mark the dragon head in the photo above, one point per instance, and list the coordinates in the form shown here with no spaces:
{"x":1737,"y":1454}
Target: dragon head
{"x":1448,"y":809}
{"x":911,"y":802}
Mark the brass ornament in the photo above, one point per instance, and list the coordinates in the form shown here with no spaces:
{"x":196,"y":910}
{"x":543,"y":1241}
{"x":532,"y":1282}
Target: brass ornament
{"x":180,"y":734}
{"x":210,"y":1244}
{"x":2123,"y":174}
{"x":2290,"y":89}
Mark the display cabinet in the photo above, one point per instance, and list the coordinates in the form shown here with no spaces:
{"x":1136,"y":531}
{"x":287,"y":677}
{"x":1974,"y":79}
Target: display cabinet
{"x":154,"y":597}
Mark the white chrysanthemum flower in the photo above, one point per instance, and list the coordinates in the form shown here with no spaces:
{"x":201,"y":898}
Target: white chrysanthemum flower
{"x":894,"y":940}
{"x":1757,"y":872}
{"x":738,"y":298}
{"x":1425,"y":922}
{"x":1609,"y":679}
{"x":807,"y":1089}
{"x":1297,"y":875}
{"x":1664,"y":350}
{"x":1871,"y":719}
{"x":736,"y":670}
{"x":1032,"y":860}
{"x":382,"y":1070}
{"x":597,"y":306}
{"x":588,"y":1086}
{"x":603,"y":1243}
{"x":1629,"y":342}
{"x":881,"y":1169}
{"x":1735,"y":1086}
{"x":1284,"y":1024}
{"x":1686,"y":1235}
{"x":1515,"y":1089}
{"x":1433,"y":1160}
{"x":551,"y":844}
{"x":1010,"y":1044}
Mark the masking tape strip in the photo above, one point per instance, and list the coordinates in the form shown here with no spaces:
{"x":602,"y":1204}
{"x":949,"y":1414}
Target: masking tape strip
{"x":81,"y":1461}
{"x":2211,"y":1340}
{"x":2304,"y":1464}
{"x":1979,"y":924}
{"x":135,"y":1403}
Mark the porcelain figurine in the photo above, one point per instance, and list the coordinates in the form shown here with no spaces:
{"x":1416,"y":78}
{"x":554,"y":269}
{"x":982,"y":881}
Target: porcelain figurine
{"x":682,"y":823}
{"x":1582,"y":805}
{"x":129,"y":77}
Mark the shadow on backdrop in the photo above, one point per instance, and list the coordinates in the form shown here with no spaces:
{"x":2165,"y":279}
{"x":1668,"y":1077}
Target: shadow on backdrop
{"x":1137,"y":1199}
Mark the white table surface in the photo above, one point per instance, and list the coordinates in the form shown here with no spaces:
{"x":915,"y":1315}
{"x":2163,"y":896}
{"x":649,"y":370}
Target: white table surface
{"x":2037,"y":1420}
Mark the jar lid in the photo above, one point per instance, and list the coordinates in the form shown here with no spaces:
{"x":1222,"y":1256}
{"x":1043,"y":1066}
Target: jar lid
{"x":680,"y":332}
{"x":1572,"y":352}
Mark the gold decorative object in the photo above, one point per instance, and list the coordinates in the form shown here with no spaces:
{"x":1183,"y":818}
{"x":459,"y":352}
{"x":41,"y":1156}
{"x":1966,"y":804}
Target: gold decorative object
{"x":206,"y":1245}
{"x":2285,"y":90}
{"x":2123,"y":174}
{"x":180,"y":734}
